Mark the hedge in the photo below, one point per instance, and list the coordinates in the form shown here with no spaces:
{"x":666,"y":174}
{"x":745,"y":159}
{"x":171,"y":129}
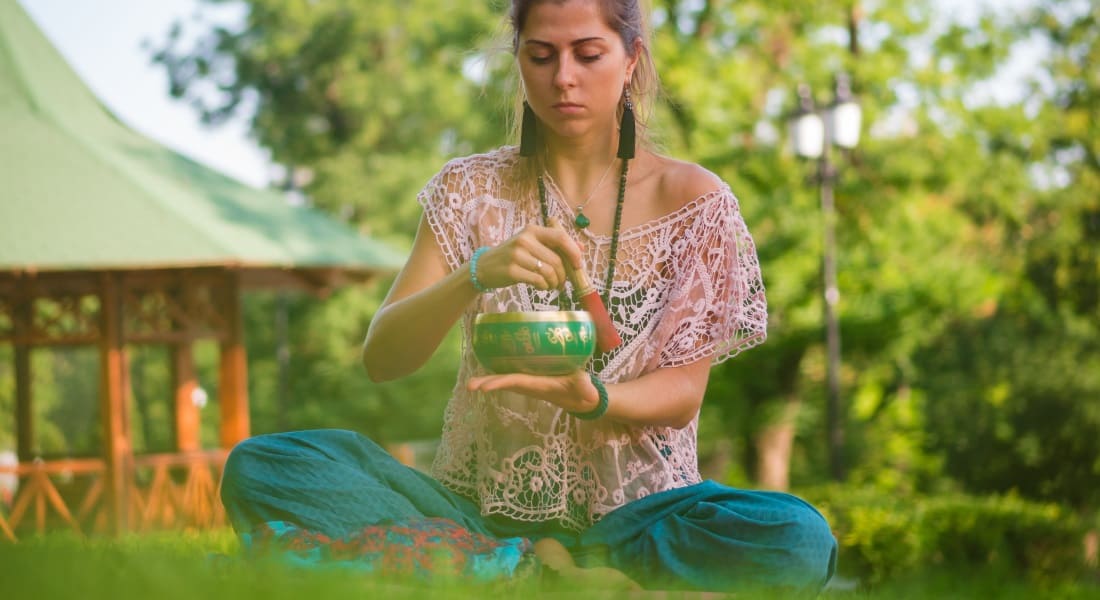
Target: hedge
{"x":883,"y":535}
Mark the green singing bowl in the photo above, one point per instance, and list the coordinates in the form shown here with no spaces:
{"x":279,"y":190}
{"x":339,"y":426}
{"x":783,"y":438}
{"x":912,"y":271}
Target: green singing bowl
{"x":534,"y":342}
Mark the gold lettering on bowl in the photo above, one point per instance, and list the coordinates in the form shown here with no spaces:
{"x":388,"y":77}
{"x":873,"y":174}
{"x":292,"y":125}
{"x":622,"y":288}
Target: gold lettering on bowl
{"x":507,"y":342}
{"x":560,"y":336}
{"x":523,"y":336}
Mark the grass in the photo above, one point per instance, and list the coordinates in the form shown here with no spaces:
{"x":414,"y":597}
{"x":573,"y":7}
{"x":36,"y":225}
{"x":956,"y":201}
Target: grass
{"x":182,"y":566}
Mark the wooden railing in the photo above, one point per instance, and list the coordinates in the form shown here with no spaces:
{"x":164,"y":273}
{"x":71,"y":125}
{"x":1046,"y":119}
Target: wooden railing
{"x":164,"y":491}
{"x":38,"y":495}
{"x":181,"y":493}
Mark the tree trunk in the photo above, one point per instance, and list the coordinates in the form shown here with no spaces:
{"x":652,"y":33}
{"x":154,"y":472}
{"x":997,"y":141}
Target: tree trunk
{"x":773,"y":447}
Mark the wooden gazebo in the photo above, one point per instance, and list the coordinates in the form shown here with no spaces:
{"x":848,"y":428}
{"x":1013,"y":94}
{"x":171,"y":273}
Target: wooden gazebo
{"x":107,"y":239}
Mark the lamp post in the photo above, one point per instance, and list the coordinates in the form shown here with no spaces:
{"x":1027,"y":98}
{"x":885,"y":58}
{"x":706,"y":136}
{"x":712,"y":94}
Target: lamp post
{"x":813,"y":132}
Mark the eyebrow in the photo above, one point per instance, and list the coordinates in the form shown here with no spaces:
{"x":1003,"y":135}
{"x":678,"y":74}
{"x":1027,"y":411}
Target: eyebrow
{"x":573,"y":43}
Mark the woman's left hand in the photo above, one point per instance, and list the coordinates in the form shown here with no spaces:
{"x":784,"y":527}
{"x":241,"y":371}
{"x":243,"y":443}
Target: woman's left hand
{"x":573,"y":392}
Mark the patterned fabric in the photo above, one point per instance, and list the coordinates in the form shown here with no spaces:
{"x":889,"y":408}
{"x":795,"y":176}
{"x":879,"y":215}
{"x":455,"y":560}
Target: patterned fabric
{"x":335,"y":499}
{"x":426,"y":548}
{"x":687,"y":287}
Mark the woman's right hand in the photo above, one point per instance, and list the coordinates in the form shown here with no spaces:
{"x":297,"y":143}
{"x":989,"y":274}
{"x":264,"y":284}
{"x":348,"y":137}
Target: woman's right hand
{"x":534,"y":256}
{"x":400,"y":339}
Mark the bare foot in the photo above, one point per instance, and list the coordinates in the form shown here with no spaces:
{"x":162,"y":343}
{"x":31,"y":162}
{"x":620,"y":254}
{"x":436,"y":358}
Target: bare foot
{"x":555,"y":557}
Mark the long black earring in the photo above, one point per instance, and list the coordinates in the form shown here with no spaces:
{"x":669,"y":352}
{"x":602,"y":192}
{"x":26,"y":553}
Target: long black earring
{"x":527,"y":131}
{"x":626,"y":128}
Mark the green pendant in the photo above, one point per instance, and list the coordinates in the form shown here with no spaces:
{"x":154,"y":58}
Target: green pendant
{"x":581,"y":221}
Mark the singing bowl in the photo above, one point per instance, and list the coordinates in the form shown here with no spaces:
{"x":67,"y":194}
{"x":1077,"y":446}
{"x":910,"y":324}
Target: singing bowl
{"x":534,"y":342}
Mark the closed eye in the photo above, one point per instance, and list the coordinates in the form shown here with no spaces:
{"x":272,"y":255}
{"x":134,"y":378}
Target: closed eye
{"x":587,"y":58}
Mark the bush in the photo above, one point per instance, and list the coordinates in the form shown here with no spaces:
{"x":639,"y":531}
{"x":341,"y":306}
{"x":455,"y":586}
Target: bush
{"x":1041,"y":540}
{"x":876,"y":532}
{"x":882,"y":535}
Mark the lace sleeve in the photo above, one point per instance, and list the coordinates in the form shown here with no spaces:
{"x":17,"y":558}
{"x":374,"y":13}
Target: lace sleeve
{"x":446,"y":207}
{"x":717,"y":308}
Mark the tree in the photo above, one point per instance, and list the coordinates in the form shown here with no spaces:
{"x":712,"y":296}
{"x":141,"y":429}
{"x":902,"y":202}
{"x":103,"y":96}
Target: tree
{"x":369,"y":97}
{"x":967,"y":225}
{"x":366,"y":100}
{"x":1032,"y":366}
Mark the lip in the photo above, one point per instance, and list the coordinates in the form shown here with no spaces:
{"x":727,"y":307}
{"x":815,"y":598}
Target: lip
{"x":568,"y":107}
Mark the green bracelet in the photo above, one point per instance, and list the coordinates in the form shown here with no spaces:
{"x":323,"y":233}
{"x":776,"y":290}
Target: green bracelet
{"x":601,"y":408}
{"x":473,"y":270}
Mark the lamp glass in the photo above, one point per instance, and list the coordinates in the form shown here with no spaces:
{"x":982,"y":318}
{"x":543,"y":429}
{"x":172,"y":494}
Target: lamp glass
{"x":808,"y":135}
{"x":846,"y":118}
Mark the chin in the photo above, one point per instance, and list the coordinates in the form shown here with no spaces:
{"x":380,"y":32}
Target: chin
{"x":571,"y":131}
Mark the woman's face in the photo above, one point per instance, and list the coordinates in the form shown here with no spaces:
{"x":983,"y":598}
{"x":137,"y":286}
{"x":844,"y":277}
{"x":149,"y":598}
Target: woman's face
{"x":573,"y":67}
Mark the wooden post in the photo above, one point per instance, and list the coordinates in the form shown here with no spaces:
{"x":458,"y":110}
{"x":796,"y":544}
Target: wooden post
{"x":116,"y":439}
{"x":233,"y":371}
{"x":24,"y":419}
{"x":187,"y":414}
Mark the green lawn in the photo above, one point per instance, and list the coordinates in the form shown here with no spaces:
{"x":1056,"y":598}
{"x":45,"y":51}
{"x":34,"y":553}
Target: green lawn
{"x":171,"y":566}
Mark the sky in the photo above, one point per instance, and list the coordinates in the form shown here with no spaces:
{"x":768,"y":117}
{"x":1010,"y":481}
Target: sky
{"x":102,"y":40}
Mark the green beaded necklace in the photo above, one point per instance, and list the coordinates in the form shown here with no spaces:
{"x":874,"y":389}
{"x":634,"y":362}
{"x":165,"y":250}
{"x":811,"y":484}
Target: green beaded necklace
{"x":612,"y":257}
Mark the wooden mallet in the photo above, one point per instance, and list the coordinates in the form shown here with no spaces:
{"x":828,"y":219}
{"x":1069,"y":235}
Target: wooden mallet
{"x":585,"y":294}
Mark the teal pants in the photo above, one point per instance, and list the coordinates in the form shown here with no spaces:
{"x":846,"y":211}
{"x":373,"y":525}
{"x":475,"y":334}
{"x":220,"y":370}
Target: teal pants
{"x":702,"y":537}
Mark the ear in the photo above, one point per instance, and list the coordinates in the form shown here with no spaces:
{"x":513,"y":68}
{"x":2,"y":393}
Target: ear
{"x":635,"y":55}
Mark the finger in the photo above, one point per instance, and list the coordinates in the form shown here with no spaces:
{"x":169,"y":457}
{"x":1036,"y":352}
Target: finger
{"x":558,"y":240}
{"x":516,"y":265}
{"x":531,"y":259}
{"x":545,"y":260}
{"x":552,"y":246}
{"x":473,"y":384}
{"x":511,"y":381}
{"x":528,"y":275}
{"x":549,"y":264}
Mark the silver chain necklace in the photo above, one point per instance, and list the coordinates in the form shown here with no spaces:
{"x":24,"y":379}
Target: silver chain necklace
{"x":581,"y":220}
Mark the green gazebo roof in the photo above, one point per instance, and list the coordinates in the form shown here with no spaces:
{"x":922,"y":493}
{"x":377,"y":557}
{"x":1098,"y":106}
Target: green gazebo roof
{"x":81,"y":191}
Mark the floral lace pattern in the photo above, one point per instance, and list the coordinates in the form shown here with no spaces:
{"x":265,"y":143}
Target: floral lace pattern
{"x":687,"y":287}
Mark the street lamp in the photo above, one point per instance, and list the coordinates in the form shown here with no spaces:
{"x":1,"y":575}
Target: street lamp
{"x":813,"y":131}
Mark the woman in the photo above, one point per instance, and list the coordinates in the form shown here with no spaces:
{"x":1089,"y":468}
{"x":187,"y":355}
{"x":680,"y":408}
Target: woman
{"x":598,"y":468}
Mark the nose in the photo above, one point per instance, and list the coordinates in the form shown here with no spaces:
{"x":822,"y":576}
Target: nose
{"x":566,"y":74}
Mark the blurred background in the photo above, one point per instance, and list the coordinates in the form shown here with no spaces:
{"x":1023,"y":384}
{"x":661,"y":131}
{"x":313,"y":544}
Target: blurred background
{"x":933,"y":283}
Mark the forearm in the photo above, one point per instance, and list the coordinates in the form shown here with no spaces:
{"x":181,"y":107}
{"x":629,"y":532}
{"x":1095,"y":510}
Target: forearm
{"x":403,"y":335}
{"x":668,"y":397}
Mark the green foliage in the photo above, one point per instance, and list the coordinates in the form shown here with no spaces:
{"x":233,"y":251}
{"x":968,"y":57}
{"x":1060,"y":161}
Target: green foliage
{"x":1015,"y":386}
{"x":883,"y":536}
{"x":325,"y":385}
{"x":1043,"y":540}
{"x":1014,"y":416}
{"x":877,"y":533}
{"x":968,"y":224}
{"x":65,"y":381}
{"x":370,"y":97}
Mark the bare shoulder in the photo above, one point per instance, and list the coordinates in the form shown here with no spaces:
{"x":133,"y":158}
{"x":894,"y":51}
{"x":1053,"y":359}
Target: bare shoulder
{"x":680,"y":182}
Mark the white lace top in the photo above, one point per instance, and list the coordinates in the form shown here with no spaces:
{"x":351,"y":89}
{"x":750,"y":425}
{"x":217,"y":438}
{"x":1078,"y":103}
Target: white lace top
{"x":687,"y":287}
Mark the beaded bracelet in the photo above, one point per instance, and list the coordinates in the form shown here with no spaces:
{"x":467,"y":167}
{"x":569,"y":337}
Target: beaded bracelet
{"x":473,"y":270}
{"x":601,"y":408}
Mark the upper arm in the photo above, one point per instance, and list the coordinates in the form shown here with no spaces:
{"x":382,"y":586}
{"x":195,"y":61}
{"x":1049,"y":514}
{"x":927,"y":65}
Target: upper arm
{"x":426,"y":265}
